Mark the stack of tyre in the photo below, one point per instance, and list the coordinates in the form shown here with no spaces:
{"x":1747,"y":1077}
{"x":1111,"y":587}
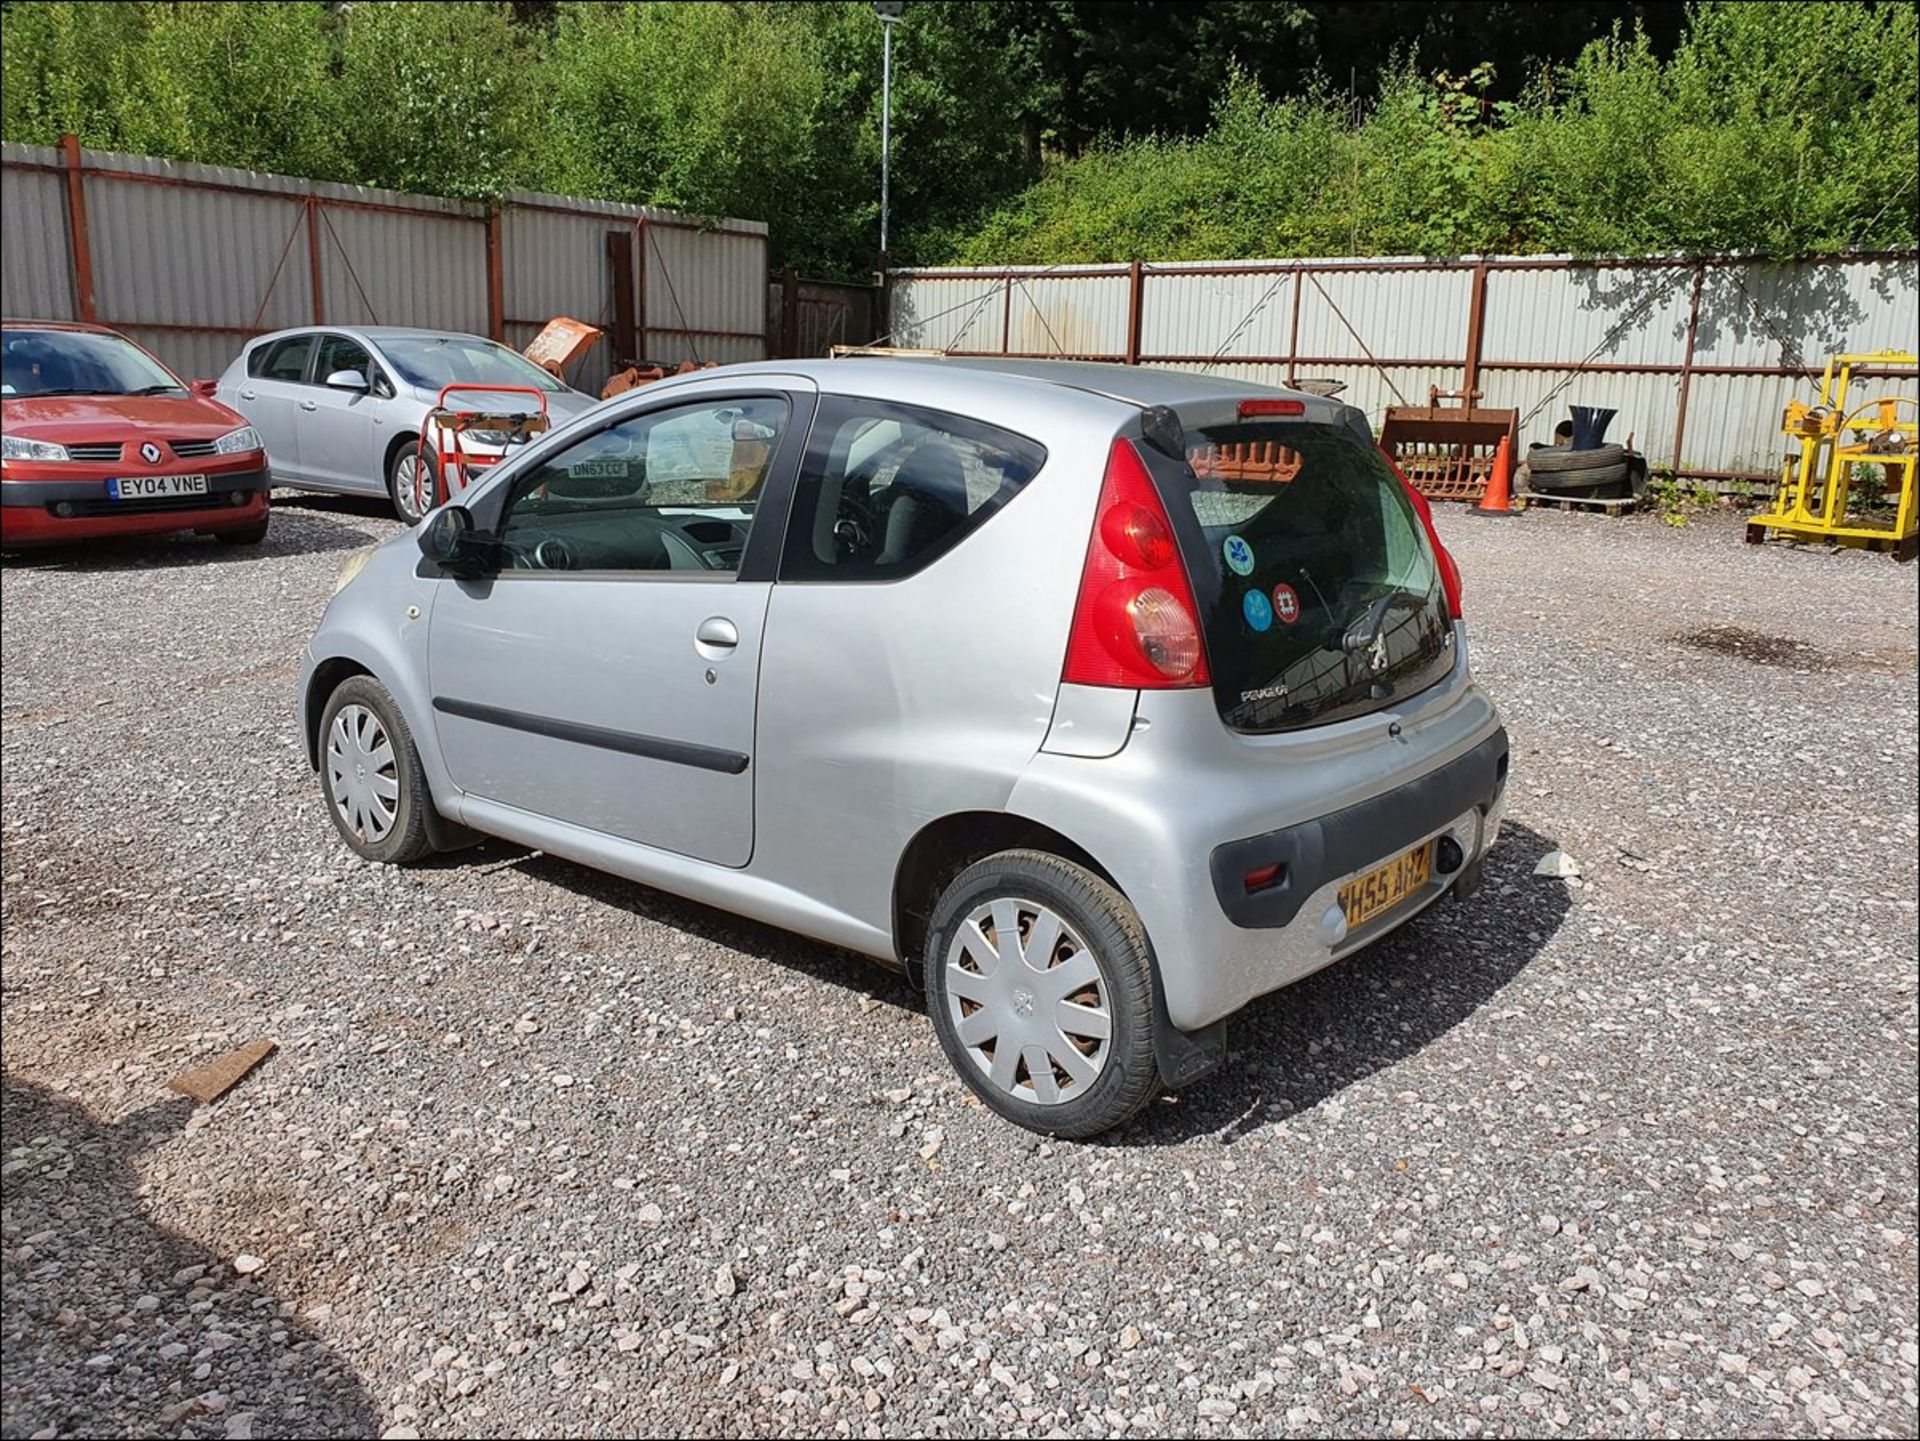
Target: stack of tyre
{"x":1584,"y":466}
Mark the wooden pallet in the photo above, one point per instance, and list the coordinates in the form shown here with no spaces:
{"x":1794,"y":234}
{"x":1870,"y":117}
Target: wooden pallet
{"x":1616,"y":506}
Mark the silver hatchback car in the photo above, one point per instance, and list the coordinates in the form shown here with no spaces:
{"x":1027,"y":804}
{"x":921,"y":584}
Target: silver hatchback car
{"x":340,"y":407}
{"x":1102,"y":700}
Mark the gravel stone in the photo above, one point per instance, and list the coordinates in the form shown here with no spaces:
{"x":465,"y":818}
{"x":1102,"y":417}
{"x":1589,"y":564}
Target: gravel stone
{"x":1697,"y":1056}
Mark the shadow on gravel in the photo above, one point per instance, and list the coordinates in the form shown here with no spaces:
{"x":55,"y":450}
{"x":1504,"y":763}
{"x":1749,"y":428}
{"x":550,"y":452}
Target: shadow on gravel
{"x":1301,"y":1046}
{"x":180,"y":550}
{"x":101,"y":1338}
{"x":766,"y":943}
{"x":360,"y":507}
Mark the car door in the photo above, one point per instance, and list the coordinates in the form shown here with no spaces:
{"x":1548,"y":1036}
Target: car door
{"x":606,"y":676}
{"x":270,"y":397}
{"x":341,"y":434}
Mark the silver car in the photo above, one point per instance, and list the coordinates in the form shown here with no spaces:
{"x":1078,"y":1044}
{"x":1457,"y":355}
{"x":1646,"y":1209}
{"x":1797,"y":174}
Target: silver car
{"x":1102,"y":700}
{"x":340,"y":407}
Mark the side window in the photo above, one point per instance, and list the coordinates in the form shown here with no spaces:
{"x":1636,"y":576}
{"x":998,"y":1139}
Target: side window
{"x":337,"y":352}
{"x":287,"y":359}
{"x":887,"y":489}
{"x":668,"y":490}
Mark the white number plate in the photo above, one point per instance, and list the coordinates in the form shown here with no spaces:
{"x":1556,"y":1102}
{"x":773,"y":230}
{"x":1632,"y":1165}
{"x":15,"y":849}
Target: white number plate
{"x":153,"y":487}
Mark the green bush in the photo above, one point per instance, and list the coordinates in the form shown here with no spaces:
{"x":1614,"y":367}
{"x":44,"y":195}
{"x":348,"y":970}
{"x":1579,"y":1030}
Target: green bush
{"x":1789,"y":129}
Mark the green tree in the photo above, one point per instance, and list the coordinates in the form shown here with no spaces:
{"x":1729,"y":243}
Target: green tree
{"x":438,"y":98}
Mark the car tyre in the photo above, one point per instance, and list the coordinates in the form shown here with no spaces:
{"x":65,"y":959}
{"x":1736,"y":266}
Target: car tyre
{"x":409,"y":484}
{"x":370,"y":774}
{"x":1549,"y":460}
{"x":245,"y":534}
{"x":1065,"y":1046}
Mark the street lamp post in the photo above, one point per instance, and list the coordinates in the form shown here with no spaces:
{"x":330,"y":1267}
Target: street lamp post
{"x":889,"y":12}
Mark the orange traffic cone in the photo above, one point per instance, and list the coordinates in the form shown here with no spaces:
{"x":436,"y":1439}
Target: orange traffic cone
{"x":1498,"y":501}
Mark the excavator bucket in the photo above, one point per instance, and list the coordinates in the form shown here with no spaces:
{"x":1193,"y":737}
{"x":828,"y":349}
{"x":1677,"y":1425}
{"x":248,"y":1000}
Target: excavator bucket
{"x":1446,"y":451}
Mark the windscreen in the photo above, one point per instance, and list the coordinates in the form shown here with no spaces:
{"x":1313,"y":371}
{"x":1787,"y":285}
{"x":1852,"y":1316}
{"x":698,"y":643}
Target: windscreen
{"x":78,"y":362}
{"x":1318,"y":590}
{"x":431,"y":361}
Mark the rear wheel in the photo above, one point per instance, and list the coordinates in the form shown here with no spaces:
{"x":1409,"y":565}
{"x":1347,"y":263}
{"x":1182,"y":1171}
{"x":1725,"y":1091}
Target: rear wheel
{"x":370,"y":774}
{"x":1040,"y":983}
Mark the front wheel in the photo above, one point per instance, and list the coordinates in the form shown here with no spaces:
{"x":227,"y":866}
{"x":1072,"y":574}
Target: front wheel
{"x":370,"y":774}
{"x":1040,"y":983}
{"x":411,"y":482}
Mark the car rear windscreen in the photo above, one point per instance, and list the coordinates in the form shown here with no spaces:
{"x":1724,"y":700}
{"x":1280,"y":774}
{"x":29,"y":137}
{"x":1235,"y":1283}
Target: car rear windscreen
{"x":1318,"y":590}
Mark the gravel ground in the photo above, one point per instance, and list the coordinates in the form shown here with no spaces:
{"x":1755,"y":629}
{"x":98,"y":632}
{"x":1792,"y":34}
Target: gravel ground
{"x":542,"y":1153}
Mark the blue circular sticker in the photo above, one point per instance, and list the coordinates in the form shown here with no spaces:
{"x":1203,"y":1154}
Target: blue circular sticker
{"x":1257,"y":609}
{"x":1239,"y":555}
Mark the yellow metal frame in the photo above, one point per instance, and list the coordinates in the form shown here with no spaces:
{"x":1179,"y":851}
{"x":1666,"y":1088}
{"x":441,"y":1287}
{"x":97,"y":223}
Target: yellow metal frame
{"x":1811,"y":502}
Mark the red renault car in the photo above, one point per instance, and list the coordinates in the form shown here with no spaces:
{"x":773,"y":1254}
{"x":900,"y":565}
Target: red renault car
{"x":103,"y":440}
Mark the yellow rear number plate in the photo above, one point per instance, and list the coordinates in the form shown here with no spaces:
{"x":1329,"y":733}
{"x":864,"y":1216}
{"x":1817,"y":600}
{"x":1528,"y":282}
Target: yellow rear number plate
{"x":1383,"y":889}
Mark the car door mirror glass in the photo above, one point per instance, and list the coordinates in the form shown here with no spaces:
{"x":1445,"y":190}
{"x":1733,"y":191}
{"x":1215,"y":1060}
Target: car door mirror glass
{"x":347,"y":380}
{"x":449,"y":540}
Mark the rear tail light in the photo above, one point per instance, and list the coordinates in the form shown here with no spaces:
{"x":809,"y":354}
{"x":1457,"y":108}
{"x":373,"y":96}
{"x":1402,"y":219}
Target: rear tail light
{"x":1449,"y":571}
{"x":1135,"y":624}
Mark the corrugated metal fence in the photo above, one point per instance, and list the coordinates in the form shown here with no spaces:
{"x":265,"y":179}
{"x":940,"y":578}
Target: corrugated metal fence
{"x":1699,"y":356}
{"x":192,"y":259}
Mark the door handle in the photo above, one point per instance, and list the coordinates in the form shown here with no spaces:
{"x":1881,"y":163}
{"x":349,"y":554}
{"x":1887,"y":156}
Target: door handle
{"x":716,"y":636}
{"x":308,"y":405}
{"x":246,"y":395}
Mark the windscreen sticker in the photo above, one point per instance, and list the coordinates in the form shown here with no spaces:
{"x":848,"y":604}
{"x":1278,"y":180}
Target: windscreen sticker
{"x":1286,"y":604}
{"x":1239,"y":556}
{"x":1257,"y":609}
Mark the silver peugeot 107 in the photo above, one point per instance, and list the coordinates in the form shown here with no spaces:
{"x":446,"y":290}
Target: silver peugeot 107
{"x":1102,"y":700}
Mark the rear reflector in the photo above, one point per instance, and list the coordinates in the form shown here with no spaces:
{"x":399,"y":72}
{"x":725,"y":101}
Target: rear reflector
{"x":1265,"y":878}
{"x":1250,"y":408}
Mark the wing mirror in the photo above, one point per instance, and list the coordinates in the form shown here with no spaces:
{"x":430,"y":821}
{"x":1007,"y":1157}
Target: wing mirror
{"x":347,"y":380}
{"x":449,"y":540}
{"x":206,"y":389}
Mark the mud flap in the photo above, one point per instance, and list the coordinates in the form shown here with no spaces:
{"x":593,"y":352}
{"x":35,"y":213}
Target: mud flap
{"x":1183,"y":1057}
{"x":1468,"y":881}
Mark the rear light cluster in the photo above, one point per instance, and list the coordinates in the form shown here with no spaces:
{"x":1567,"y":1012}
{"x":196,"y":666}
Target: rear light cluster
{"x":1449,"y":571}
{"x":1135,"y":624}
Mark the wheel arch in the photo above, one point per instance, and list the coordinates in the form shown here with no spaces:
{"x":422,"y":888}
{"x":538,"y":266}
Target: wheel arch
{"x":943,"y":848}
{"x":326,"y":679}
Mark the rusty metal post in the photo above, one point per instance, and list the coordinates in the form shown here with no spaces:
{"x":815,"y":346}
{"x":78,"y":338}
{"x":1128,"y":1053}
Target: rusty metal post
{"x":790,"y":312}
{"x":1293,"y":342}
{"x":496,"y":284}
{"x":1686,"y":363}
{"x":1476,"y":328}
{"x":1136,"y":287}
{"x":626,"y":344}
{"x":77,"y":227}
{"x":641,"y":243}
{"x":316,"y":275}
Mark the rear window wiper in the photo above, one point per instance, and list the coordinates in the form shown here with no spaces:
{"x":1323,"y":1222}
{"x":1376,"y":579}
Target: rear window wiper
{"x":1364,"y":630}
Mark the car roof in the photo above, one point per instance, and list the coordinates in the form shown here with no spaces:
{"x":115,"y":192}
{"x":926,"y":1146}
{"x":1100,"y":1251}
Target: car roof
{"x":85,"y":327}
{"x":1134,"y":385}
{"x":370,"y":332}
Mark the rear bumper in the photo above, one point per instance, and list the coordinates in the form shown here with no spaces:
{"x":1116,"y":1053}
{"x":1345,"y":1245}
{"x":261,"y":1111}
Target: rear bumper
{"x":58,"y":512}
{"x":1186,"y":809}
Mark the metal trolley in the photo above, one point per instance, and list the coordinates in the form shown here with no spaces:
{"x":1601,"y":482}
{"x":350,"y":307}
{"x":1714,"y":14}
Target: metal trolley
{"x":447,"y":467}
